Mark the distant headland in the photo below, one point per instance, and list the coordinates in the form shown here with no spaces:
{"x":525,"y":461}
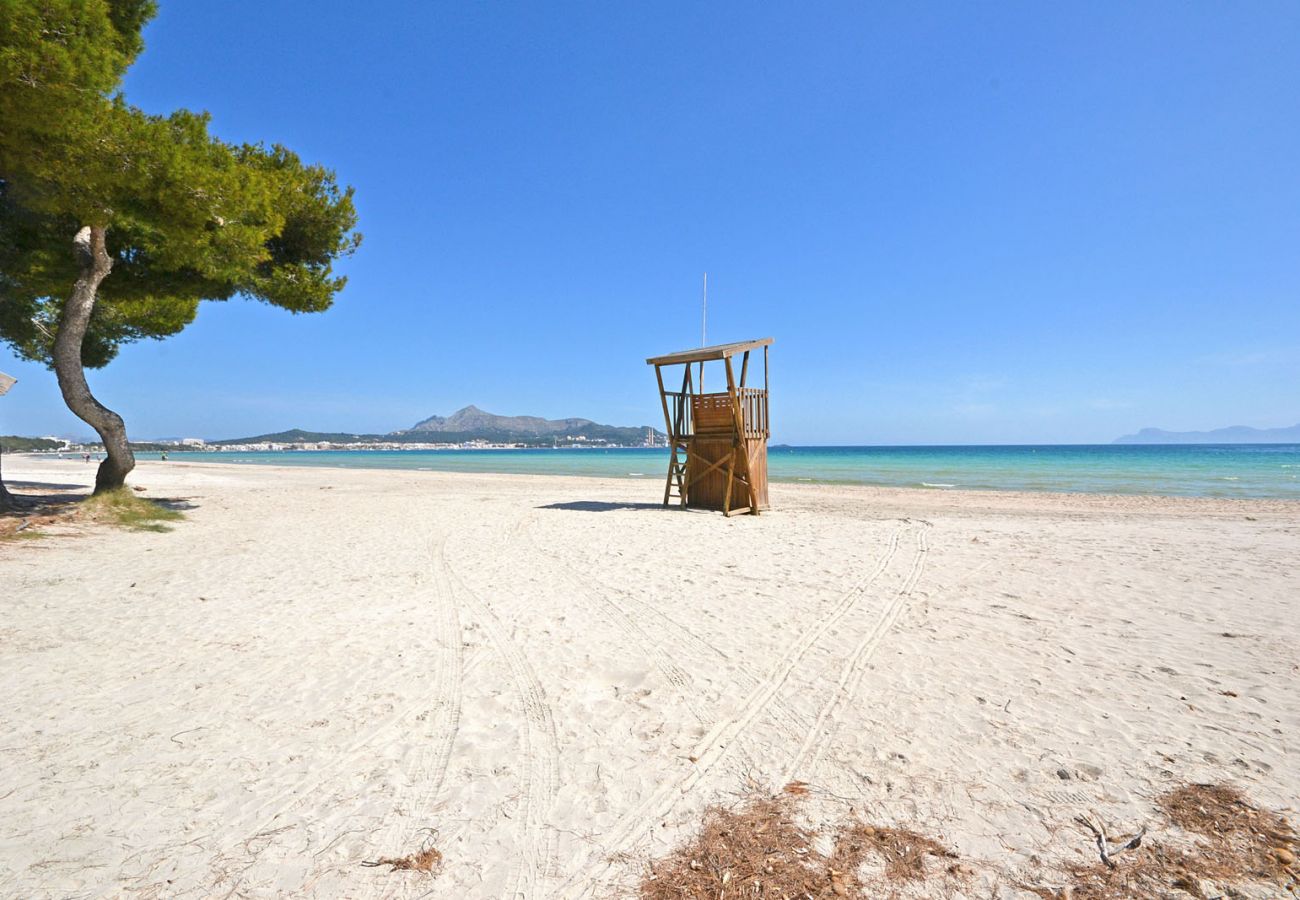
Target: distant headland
{"x":1236,"y":434}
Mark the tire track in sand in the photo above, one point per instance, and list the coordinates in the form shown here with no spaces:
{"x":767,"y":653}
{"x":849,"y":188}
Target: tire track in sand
{"x":855,"y":669}
{"x":638,"y":635}
{"x":633,"y":630}
{"x":429,"y":771}
{"x":638,"y":619}
{"x":540,"y":753}
{"x":715,"y":744}
{"x":447,"y":690}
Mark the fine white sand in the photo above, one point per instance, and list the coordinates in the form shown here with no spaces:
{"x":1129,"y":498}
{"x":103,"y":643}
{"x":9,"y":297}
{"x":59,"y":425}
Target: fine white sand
{"x":549,"y":678}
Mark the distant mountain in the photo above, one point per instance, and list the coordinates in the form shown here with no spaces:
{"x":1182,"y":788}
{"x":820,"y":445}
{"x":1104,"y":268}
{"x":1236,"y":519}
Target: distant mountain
{"x":299,"y":436}
{"x":1237,"y":434}
{"x":471,"y":418}
{"x":471,"y":424}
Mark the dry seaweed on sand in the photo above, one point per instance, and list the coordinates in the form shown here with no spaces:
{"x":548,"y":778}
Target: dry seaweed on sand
{"x":760,"y":851}
{"x":904,"y":851}
{"x":1236,"y":838}
{"x":1235,"y":843}
{"x":1149,"y":870}
{"x":427,"y":860}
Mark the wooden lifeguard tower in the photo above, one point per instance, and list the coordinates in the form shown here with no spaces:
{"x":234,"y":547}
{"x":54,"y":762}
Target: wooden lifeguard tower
{"x":719,"y":440}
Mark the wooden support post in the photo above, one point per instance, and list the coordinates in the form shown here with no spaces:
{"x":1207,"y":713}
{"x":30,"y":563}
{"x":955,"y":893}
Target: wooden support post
{"x":731,"y":392}
{"x":684,"y":410}
{"x":663,"y":399}
{"x":730,"y":459}
{"x":753,"y":496}
{"x":737,"y":438}
{"x":684,"y":437}
{"x":669,"y":424}
{"x":767,"y":399}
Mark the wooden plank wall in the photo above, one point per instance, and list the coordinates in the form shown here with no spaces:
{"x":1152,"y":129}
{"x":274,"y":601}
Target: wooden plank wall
{"x":709,"y":491}
{"x":711,"y":414}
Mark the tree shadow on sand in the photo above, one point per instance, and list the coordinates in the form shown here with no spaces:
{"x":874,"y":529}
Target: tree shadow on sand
{"x":41,"y":498}
{"x":57,"y":486}
{"x":41,"y":506}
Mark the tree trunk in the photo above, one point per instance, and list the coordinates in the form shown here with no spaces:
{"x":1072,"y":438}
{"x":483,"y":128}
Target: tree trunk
{"x":95,"y":263}
{"x":7,"y":500}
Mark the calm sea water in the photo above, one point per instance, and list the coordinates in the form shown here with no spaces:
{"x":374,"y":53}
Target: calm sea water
{"x":1258,"y":470}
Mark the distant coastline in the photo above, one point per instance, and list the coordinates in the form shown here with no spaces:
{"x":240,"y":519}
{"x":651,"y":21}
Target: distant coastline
{"x":1235,"y":434}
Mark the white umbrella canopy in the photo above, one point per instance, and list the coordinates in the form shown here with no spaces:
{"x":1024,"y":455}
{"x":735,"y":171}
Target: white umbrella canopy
{"x":6,"y":382}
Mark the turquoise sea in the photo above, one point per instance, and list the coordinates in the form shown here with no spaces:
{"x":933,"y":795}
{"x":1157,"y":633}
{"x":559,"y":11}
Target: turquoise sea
{"x":1252,"y":470}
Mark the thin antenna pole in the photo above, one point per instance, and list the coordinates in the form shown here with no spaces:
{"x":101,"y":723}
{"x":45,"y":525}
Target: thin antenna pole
{"x":704,"y":327}
{"x":704,"y":315}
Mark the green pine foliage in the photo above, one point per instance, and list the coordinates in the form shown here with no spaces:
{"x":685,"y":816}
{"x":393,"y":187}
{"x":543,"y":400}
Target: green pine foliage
{"x":188,"y":217}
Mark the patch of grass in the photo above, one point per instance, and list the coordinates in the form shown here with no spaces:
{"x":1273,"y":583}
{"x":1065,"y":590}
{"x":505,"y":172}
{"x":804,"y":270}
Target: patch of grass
{"x":125,"y":510}
{"x":27,"y":534}
{"x":23,"y":526}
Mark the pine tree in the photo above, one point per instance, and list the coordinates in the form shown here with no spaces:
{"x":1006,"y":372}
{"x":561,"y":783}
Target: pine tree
{"x":115,"y":224}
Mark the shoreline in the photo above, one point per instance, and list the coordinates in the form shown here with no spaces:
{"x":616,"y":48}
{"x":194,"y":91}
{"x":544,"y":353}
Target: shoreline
{"x":920,"y":487}
{"x":882,"y":498}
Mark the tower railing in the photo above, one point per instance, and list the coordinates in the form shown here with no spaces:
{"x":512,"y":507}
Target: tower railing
{"x":694,"y":414}
{"x":753,"y":410}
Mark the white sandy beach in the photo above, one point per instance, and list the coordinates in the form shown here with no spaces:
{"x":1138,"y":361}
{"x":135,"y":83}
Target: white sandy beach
{"x":549,"y":678}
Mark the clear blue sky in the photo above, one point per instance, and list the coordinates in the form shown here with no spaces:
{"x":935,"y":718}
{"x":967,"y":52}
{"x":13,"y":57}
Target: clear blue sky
{"x":961,"y":222}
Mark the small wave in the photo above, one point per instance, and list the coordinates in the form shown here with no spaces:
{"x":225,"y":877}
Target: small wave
{"x":637,"y":474}
{"x":1231,"y":478}
{"x":928,"y":484}
{"x":423,"y":469}
{"x":803,"y":479}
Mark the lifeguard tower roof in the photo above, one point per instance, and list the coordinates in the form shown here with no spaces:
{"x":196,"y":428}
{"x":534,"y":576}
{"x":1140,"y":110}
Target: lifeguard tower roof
{"x":704,"y":354}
